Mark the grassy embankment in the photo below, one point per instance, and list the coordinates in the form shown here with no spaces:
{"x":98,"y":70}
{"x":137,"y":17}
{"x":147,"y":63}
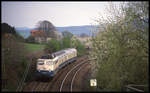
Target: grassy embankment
{"x":31,"y":47}
{"x":34,"y":47}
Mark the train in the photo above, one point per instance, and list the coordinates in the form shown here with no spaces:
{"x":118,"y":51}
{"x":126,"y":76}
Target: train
{"x":48,"y":65}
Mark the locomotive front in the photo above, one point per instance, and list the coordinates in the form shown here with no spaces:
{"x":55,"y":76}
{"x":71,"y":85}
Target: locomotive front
{"x":45,"y":66}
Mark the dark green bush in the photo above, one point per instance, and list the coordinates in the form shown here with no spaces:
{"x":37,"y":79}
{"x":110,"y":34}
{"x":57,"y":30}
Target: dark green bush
{"x":30,"y":39}
{"x":52,"y":46}
{"x":56,"y":45}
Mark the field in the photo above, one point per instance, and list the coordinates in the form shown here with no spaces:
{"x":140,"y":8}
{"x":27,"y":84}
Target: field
{"x":34,"y":47}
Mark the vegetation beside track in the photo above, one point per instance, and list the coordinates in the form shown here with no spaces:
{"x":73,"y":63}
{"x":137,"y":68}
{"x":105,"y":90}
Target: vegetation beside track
{"x":56,"y":45}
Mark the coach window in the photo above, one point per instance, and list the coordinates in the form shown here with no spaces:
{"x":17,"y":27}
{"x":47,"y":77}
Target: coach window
{"x":55,"y":62}
{"x":60,"y":60}
{"x":66,"y":57}
{"x":71,"y":55}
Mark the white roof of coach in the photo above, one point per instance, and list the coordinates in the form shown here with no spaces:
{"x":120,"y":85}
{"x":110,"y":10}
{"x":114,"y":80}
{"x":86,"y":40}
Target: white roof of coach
{"x":63,"y":52}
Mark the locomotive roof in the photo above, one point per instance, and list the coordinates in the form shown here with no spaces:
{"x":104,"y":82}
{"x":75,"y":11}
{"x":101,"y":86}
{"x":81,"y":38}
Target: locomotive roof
{"x":59,"y":53}
{"x":62,"y":52}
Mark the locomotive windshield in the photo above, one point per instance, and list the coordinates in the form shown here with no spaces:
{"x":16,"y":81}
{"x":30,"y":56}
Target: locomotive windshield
{"x":41,"y":63}
{"x":49,"y":56}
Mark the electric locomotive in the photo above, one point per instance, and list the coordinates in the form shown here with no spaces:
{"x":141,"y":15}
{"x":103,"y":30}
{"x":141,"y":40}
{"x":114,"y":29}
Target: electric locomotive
{"x":50,"y":64}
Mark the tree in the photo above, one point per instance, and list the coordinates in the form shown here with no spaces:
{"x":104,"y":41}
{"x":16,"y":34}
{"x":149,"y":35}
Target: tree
{"x":120,"y":51}
{"x":83,"y":35}
{"x":67,"y":34}
{"x":48,"y":27}
{"x":7,"y":29}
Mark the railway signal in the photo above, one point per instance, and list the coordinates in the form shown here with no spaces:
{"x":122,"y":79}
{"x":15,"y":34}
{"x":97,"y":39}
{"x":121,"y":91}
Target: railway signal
{"x":93,"y":82}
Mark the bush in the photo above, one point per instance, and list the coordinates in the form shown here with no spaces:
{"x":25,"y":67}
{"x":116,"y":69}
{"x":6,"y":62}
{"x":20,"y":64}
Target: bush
{"x":66,"y":42}
{"x":80,"y":48}
{"x":67,"y":34}
{"x":52,"y":46}
{"x":30,"y":39}
{"x":19,"y":37}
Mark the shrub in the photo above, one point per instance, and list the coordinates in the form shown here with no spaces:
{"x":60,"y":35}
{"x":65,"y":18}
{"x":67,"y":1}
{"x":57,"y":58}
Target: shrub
{"x":80,"y":48}
{"x":66,"y":42}
{"x":52,"y":46}
{"x":56,"y":45}
{"x":30,"y":39}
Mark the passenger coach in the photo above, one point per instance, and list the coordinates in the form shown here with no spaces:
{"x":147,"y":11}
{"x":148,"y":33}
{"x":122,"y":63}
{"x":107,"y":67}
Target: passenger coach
{"x":49,"y":65}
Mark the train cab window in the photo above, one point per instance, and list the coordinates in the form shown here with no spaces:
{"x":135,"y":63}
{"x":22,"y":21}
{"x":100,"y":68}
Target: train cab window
{"x":44,"y":57}
{"x":51,"y":56}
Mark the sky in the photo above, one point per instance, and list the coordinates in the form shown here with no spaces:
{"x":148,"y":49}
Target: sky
{"x":60,"y":14}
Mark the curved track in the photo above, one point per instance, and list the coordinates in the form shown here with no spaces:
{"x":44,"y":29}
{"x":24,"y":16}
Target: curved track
{"x":73,"y":79}
{"x":65,"y":86}
{"x":62,"y":80}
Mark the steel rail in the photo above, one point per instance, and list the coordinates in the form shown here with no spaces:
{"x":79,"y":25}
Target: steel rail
{"x":24,"y":76}
{"x":34,"y":87}
{"x":69,"y":73}
{"x":50,"y":83}
{"x":75,"y":75}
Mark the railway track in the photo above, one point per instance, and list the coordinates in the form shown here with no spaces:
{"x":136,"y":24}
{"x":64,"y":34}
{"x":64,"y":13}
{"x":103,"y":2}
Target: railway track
{"x":67,"y":82}
{"x":56,"y":82}
{"x":54,"y":86}
{"x":73,"y":79}
{"x":40,"y":86}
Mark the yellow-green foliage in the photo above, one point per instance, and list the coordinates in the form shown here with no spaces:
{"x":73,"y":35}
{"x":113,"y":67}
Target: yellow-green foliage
{"x":121,"y":53}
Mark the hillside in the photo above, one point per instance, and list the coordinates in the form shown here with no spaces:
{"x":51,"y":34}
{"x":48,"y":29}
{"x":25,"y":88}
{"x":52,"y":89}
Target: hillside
{"x":23,"y":31}
{"x":76,"y":30}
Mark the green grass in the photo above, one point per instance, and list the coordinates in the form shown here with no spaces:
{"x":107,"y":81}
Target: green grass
{"x":34,"y":47}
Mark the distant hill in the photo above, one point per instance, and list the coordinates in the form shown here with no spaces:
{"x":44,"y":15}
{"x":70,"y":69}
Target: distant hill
{"x":76,"y":30}
{"x":24,"y":31}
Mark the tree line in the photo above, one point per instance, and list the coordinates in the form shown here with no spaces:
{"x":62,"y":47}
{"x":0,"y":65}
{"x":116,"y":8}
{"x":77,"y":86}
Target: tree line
{"x":66,"y":42}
